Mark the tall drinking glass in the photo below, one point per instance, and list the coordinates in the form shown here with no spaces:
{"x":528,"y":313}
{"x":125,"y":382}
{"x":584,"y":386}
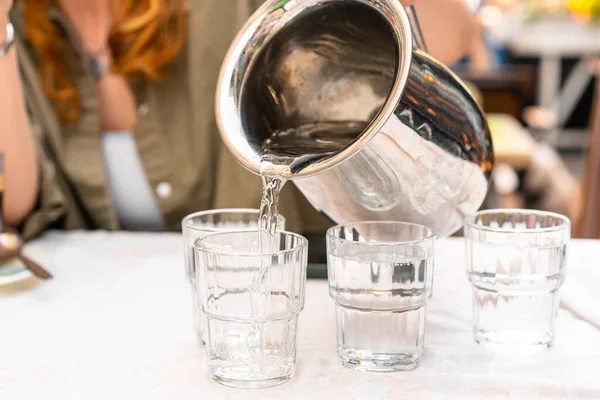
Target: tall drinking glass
{"x":380,"y":277}
{"x":201,"y":223}
{"x":251,"y":299}
{"x":515,"y":263}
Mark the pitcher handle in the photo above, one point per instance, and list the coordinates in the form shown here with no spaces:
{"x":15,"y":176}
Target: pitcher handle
{"x":415,"y":27}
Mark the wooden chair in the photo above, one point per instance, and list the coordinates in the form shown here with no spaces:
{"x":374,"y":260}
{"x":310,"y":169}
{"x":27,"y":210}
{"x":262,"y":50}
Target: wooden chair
{"x":588,"y":225}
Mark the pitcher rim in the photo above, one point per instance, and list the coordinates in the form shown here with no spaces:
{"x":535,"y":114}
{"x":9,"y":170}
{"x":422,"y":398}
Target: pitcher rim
{"x":227,"y":113}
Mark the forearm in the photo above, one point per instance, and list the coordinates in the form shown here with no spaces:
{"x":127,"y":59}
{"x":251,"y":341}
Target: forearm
{"x":449,"y":28}
{"x":16,"y":142}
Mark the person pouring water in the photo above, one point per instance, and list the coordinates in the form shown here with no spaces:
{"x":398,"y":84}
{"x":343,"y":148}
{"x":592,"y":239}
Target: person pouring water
{"x":107,"y":111}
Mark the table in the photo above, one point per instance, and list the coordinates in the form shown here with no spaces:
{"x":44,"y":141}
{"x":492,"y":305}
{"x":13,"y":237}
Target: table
{"x":551,"y":39}
{"x":115,"y":323}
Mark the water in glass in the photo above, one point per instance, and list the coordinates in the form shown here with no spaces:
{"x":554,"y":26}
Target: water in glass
{"x":381,"y":292}
{"x":515,"y":292}
{"x":251,"y":330}
{"x":515,"y":263}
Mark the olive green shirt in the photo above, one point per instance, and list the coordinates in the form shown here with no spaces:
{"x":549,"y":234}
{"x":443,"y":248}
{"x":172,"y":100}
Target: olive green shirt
{"x":176,"y":134}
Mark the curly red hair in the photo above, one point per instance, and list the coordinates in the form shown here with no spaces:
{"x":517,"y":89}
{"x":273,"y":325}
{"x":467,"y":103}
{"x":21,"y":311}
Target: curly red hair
{"x":145,"y":38}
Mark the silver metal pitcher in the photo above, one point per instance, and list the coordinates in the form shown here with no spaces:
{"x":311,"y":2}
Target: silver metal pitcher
{"x":422,"y":151}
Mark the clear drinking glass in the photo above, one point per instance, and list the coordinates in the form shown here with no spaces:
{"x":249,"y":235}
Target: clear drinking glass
{"x":380,"y":277}
{"x":515,"y":263}
{"x":251,"y":300}
{"x":200,"y":224}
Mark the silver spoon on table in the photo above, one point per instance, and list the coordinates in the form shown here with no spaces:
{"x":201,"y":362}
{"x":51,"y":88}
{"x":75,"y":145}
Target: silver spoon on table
{"x":11,"y":245}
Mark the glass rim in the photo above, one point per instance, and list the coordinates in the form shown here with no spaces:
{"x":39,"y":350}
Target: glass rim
{"x":303,"y":243}
{"x":431,"y":234}
{"x":469,"y":221}
{"x":185,"y":221}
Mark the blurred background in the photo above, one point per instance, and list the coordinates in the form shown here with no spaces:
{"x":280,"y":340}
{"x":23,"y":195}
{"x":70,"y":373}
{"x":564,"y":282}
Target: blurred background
{"x":535,"y":69}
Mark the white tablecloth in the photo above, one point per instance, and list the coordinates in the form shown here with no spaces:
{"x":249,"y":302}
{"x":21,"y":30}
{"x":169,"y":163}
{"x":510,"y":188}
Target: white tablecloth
{"x":115,"y":323}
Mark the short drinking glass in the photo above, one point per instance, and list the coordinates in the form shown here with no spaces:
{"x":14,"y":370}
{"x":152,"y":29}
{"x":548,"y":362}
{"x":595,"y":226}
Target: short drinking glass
{"x":515,"y":263}
{"x":201,"y":223}
{"x":380,"y":277}
{"x":251,"y":300}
